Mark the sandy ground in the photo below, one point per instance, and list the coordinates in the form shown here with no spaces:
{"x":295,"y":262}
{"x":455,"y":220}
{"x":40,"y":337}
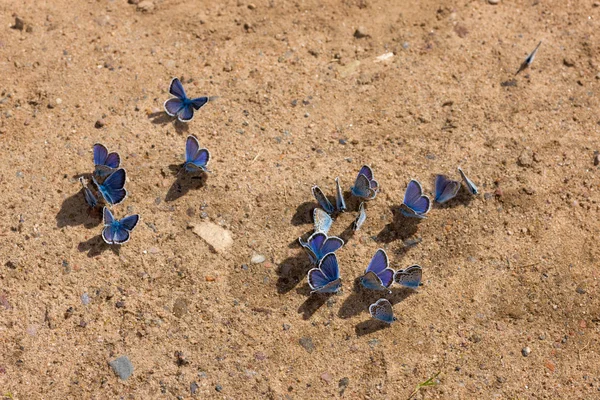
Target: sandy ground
{"x":301,"y":101}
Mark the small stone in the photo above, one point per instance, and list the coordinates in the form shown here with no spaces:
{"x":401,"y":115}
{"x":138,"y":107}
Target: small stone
{"x":569,"y":62}
{"x":260,"y":356}
{"x":494,"y":2}
{"x":100,"y":123}
{"x":526,"y":158}
{"x":180,"y":358}
{"x":85,"y":299}
{"x":219,"y":239}
{"x":361,"y":32}
{"x":580,"y":290}
{"x":257,"y":259}
{"x":251,"y":6}
{"x":307,"y":343}
{"x":133,"y":1}
{"x":245,"y":267}
{"x":209,"y":278}
{"x":145,"y":6}
{"x":343,"y":141}
{"x":326,"y":376}
{"x":180,"y":307}
{"x":120,"y":304}
{"x":372,"y":343}
{"x":525,"y":351}
{"x":19,"y":24}
{"x":550,"y":365}
{"x":193,"y":386}
{"x":219,"y":388}
{"x":542,"y":337}
{"x":122,"y":367}
{"x":343,"y":384}
{"x":596,"y":159}
{"x":286,"y":327}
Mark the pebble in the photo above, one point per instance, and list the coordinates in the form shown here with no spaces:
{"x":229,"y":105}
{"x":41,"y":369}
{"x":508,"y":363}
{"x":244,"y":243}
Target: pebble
{"x":145,"y":6}
{"x":220,"y":239}
{"x":326,"y":376}
{"x":286,"y":327}
{"x":85,"y":299}
{"x":493,"y":2}
{"x":343,"y":384}
{"x":596,"y":158}
{"x":122,"y":367}
{"x":218,"y":388}
{"x":193,"y":386}
{"x":343,"y":141}
{"x":580,"y":290}
{"x":307,"y":343}
{"x":596,"y":4}
{"x":100,"y":123}
{"x":180,"y":307}
{"x":257,"y":259}
{"x":526,"y":158}
{"x":361,"y":32}
{"x":133,"y":1}
{"x":525,"y":351}
{"x":568,"y":62}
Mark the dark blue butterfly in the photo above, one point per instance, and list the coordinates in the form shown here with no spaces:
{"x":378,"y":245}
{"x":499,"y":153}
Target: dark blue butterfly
{"x":360,"y":218}
{"x":365,"y":186}
{"x":382,"y":310}
{"x":378,"y":275}
{"x":322,"y":221}
{"x":529,"y":59}
{"x":118,"y":231}
{"x":409,"y":277}
{"x":90,"y":199}
{"x":196,"y":158}
{"x":325,"y":278}
{"x":340,"y":203}
{"x":322,"y":200}
{"x":319,"y":244}
{"x":415,"y":204}
{"x":112,"y":188}
{"x":104,"y":162}
{"x":468,"y":183}
{"x":181,"y":106}
{"x":445,"y":189}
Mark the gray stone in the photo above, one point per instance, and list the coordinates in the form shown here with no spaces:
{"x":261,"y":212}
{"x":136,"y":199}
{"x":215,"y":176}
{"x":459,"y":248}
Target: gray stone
{"x":307,"y":343}
{"x":257,"y":259}
{"x":122,"y":367}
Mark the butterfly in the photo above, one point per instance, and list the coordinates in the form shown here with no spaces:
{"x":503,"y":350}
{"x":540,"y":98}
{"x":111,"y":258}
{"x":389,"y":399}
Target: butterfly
{"x":117,"y":231}
{"x":90,"y":199}
{"x":195,"y":158}
{"x":365,"y":186}
{"x":468,"y":183}
{"x":382,"y":310}
{"x":325,"y":278}
{"x":181,"y":106}
{"x":319,"y":244}
{"x":415,"y":204}
{"x":529,"y":59}
{"x":360,"y":218}
{"x":322,"y":200}
{"x":104,"y":162}
{"x":340,"y":203}
{"x":322,"y":221}
{"x":378,"y":275}
{"x":445,"y":189}
{"x":112,"y":188}
{"x":409,"y":277}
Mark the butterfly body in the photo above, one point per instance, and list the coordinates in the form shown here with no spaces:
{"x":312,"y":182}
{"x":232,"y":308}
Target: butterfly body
{"x":409,"y":277}
{"x":319,"y":245}
{"x":445,"y":189}
{"x":382,"y":310}
{"x":112,"y":188}
{"x":118,"y":231}
{"x":180,"y":105}
{"x":326,"y":277}
{"x":378,"y":275}
{"x":415,"y":204}
{"x":468,"y":183}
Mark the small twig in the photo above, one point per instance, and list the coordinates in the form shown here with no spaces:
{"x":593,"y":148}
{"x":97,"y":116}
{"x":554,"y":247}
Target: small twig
{"x":255,"y":158}
{"x":428,"y":382}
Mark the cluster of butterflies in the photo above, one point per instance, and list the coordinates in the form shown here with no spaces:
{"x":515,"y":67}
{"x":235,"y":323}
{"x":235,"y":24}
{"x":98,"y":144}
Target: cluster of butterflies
{"x":109,"y":186}
{"x":321,"y":248}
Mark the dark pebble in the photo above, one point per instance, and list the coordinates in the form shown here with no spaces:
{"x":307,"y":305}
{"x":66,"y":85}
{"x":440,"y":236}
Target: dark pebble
{"x":286,"y":327}
{"x":307,"y":343}
{"x":120,"y":304}
{"x":580,"y":290}
{"x":343,"y":141}
{"x":245,"y":267}
{"x":100,"y":123}
{"x":596,"y":158}
{"x":218,"y":388}
{"x":194,"y":388}
{"x":343,"y":384}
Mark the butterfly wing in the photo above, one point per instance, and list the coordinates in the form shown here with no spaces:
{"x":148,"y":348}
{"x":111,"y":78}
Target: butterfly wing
{"x":115,"y":234}
{"x":409,"y":277}
{"x":382,"y":310}
{"x":173,"y":106}
{"x":201,"y":159}
{"x":379,"y":265}
{"x":186,"y":113}
{"x":112,"y":160}
{"x":415,"y":200}
{"x":90,"y":199}
{"x":329,"y":267}
{"x":100,"y":154}
{"x":322,"y":221}
{"x":360,"y":219}
{"x":191,"y":148}
{"x":445,"y":189}
{"x":340,"y":203}
{"x":317,"y":279}
{"x":366,"y":171}
{"x":362,"y":188}
{"x":199,"y":102}
{"x":112,"y":190}
{"x":176,"y":89}
{"x":322,"y":200}
{"x":130,"y":222}
{"x":308,"y":249}
{"x":331,"y":245}
{"x":371,"y":281}
{"x":326,"y":278}
{"x":468,"y":183}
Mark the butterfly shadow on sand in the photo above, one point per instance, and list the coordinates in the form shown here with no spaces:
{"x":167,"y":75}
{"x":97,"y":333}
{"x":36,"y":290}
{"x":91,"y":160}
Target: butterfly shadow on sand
{"x":162,"y":118}
{"x":292,"y":271}
{"x":303,"y":214}
{"x":184,"y":182}
{"x":313,"y":302}
{"x":74,"y":211}
{"x":360,"y":299}
{"x":96,"y":246}
{"x":401,"y":227}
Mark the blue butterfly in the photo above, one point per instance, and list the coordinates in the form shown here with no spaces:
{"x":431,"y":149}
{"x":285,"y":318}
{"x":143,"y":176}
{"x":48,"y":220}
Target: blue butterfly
{"x":378,"y":276}
{"x":112,"y":188}
{"x":361,"y":218}
{"x":365,"y":186}
{"x":470,"y":185}
{"x":181,"y":106}
{"x":325,"y":278}
{"x":529,"y":59}
{"x":90,"y":199}
{"x":322,"y":221}
{"x":415,"y":204}
{"x":319,"y":244}
{"x":445,"y":189}
{"x":322,"y":200}
{"x":104,"y":162}
{"x":382,"y":310}
{"x":196,"y":158}
{"x":118,"y":231}
{"x":409,"y":277}
{"x":340,"y":203}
